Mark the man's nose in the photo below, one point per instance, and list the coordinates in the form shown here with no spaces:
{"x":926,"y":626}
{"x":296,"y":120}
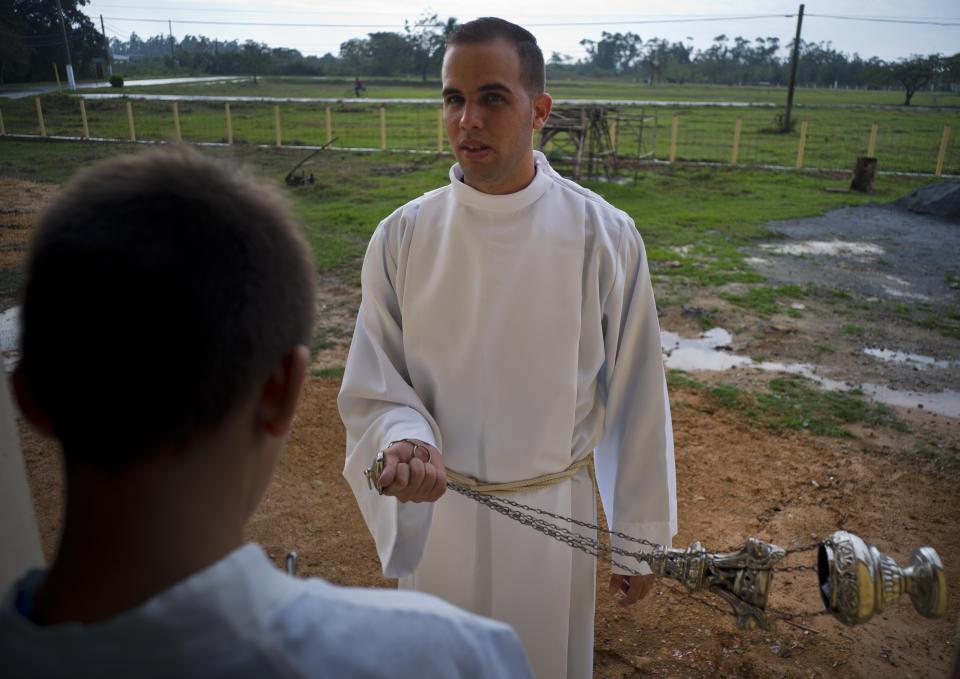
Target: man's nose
{"x":471,"y":117}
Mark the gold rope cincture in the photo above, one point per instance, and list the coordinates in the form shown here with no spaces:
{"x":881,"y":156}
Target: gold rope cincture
{"x":542,"y":481}
{"x":856,"y":579}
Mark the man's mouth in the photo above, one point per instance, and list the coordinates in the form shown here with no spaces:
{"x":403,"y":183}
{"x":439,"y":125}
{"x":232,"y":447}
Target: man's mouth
{"x":473,"y":146}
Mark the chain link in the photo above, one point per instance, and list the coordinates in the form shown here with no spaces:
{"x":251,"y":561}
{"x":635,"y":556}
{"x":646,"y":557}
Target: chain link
{"x":528,"y":516}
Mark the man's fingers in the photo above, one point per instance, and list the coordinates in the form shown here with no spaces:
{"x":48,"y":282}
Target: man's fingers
{"x":429,"y":481}
{"x":389,"y":472}
{"x":417,"y":475}
{"x":399,"y":483}
{"x":413,"y":472}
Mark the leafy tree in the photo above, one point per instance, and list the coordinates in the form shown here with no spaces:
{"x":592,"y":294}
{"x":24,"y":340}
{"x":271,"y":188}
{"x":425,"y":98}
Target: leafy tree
{"x":255,"y":58}
{"x":428,"y":38}
{"x":914,"y":73}
{"x":31,"y":39}
{"x":615,"y":52}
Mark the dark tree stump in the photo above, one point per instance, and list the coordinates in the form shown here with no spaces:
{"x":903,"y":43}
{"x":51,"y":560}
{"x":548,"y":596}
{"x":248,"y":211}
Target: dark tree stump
{"x":864,"y":174}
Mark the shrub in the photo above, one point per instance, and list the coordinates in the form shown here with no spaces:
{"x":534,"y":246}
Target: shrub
{"x":116,"y":80}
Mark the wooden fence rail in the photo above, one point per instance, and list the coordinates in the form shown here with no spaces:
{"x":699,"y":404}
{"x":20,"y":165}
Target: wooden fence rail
{"x":393,"y":132}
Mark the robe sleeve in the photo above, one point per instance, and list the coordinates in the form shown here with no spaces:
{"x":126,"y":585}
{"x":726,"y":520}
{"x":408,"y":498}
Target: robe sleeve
{"x":378,"y":405}
{"x":634,"y":460}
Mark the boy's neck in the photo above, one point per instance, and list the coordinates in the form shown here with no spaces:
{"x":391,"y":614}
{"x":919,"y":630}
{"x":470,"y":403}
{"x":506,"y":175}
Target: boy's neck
{"x":124,"y":542}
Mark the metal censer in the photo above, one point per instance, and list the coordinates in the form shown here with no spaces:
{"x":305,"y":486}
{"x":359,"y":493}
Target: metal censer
{"x":857,"y":580}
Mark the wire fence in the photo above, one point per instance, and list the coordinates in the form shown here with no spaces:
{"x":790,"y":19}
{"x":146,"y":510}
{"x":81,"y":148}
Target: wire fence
{"x":822,"y":138}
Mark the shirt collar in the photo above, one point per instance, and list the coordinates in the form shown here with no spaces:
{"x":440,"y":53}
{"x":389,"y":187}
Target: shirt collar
{"x":509,"y":202}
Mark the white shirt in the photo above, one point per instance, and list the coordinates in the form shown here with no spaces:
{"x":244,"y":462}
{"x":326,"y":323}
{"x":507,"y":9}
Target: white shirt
{"x":241,"y":617}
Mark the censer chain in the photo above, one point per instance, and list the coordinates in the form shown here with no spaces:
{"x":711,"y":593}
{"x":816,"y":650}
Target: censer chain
{"x":521,"y":513}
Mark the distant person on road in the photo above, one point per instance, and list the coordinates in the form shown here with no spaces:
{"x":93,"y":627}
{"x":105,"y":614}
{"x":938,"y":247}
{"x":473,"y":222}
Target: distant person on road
{"x":358,"y":87}
{"x":508,"y":331}
{"x":169,"y":304}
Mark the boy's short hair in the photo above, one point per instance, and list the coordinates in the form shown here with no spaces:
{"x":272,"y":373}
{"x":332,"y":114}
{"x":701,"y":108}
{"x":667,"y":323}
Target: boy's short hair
{"x":161,"y":288}
{"x":487,"y":29}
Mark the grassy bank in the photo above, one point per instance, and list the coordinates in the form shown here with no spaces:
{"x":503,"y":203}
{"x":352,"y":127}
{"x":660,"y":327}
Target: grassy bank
{"x":694,"y":220}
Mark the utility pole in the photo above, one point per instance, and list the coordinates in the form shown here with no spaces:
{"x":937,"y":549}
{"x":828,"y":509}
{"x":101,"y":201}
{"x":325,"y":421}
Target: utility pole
{"x":170,"y":26}
{"x":795,"y":57}
{"x":66,"y":46}
{"x":106,"y":48}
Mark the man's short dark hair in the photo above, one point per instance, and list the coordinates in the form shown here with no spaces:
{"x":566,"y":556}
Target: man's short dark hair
{"x":487,"y":29}
{"x":161,"y":288}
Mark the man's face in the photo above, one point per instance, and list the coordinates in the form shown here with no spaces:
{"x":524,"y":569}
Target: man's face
{"x":490,"y":116}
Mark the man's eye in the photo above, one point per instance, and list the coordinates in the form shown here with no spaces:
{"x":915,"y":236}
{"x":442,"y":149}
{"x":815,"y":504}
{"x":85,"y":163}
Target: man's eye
{"x":494,"y":98}
{"x":453,"y":100}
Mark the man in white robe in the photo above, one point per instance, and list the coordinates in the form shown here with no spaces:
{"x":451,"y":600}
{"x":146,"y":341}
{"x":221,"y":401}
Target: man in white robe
{"x":508,"y":329}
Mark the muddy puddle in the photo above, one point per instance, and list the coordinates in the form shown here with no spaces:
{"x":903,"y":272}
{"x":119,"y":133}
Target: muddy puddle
{"x":711,"y":352}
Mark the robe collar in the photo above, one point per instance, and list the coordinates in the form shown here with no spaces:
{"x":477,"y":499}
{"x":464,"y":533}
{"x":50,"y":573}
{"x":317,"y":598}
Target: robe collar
{"x":509,"y":202}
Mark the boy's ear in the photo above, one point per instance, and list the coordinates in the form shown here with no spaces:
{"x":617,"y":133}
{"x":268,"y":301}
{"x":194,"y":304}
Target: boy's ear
{"x":281,"y":392}
{"x":28,"y":406}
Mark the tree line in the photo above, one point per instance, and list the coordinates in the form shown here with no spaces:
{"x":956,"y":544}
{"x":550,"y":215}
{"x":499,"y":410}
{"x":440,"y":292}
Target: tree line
{"x":30,"y":41}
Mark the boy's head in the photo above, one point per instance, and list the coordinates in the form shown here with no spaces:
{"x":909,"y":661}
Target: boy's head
{"x":161,"y":291}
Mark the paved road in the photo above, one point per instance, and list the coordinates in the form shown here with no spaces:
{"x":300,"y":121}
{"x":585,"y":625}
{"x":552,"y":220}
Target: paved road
{"x":42,"y":89}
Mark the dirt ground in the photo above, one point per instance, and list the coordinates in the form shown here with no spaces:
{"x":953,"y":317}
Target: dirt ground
{"x":734,"y":480}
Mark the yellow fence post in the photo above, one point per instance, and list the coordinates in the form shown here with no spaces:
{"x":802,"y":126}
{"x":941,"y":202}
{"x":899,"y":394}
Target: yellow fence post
{"x":276,"y":123}
{"x":328,"y":122}
{"x":872,"y":146}
{"x":613,"y":133}
{"x":383,"y":128}
{"x":226,"y":112}
{"x":83,"y":119}
{"x":43,"y":128}
{"x":3,"y":130}
{"x":133,"y":130}
{"x":673,"y":138}
{"x":440,"y":130}
{"x":802,"y":144}
{"x":176,"y":123}
{"x":736,"y":142}
{"x":944,"y":140}
{"x":56,"y":76}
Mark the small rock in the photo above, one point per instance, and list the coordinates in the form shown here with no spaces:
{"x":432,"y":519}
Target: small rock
{"x":813,"y":482}
{"x":887,"y":654}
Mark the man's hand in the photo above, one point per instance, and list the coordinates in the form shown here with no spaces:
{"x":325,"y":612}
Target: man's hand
{"x":413,"y":471}
{"x":632,"y":587}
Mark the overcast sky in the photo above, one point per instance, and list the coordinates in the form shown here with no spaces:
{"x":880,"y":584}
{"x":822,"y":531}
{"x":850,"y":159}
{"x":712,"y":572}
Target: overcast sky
{"x":320,"y":27}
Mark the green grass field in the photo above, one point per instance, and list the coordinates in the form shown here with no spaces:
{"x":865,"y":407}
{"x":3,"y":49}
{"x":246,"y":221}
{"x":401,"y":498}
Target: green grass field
{"x":396,"y":88}
{"x":908,"y":140}
{"x":713,"y":211}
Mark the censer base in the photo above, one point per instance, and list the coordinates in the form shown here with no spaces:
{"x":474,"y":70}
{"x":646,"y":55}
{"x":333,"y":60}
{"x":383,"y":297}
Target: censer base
{"x":857,"y":580}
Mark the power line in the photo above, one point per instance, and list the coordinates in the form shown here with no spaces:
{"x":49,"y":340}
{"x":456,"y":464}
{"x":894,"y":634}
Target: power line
{"x":711,"y":18}
{"x":256,"y":23}
{"x":886,"y":20}
{"x":618,"y":22}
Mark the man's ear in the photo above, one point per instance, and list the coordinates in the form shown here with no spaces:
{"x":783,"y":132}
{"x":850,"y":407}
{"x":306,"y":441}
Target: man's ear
{"x":28,"y":406}
{"x":281,"y":392}
{"x":542,"y":105}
